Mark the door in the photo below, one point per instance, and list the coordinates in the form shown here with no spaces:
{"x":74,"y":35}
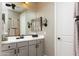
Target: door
{"x":32,"y":50}
{"x":9,"y":53}
{"x":64,"y":28}
{"x":23,"y":51}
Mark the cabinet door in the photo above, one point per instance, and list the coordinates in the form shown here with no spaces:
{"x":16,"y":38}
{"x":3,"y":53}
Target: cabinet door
{"x":32,"y":50}
{"x":23,"y":51}
{"x":40,"y":50}
{"x":9,"y":53}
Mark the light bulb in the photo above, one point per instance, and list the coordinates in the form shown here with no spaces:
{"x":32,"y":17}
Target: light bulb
{"x":26,"y":2}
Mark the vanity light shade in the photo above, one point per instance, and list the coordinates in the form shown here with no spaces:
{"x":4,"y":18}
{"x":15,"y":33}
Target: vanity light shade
{"x":45,"y":22}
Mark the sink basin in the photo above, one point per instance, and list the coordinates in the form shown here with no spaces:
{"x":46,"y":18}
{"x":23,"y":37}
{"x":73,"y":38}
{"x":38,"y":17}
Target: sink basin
{"x":35,"y":35}
{"x":20,"y":37}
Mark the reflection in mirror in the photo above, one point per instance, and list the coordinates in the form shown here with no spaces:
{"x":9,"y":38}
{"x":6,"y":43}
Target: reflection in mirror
{"x":21,"y":19}
{"x":13,"y":23}
{"x":36,"y":25}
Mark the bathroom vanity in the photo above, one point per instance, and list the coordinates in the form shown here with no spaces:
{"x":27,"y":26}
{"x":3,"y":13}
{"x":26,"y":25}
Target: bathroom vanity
{"x":27,"y":46}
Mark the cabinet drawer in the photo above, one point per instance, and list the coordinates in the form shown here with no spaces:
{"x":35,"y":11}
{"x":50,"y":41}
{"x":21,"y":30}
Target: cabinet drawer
{"x":8,"y":46}
{"x":32,"y":42}
{"x":20,"y":44}
{"x":8,"y":53}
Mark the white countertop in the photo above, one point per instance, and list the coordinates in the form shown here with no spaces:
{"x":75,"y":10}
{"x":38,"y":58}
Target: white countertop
{"x":26,"y":38}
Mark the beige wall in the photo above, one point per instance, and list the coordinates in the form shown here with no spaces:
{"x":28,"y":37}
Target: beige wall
{"x":46,"y":10}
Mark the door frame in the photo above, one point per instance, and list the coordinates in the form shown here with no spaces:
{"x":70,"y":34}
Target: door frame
{"x":55,"y":40}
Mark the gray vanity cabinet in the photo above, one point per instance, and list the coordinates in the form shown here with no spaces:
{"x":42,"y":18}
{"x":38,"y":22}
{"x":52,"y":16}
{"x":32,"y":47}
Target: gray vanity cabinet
{"x":15,"y":49}
{"x":26,"y":48}
{"x":32,"y":50}
{"x":9,"y":53}
{"x":23,"y":51}
{"x":22,"y":48}
{"x":40,"y":47}
{"x":8,"y":49}
{"x":39,"y":50}
{"x":36,"y":47}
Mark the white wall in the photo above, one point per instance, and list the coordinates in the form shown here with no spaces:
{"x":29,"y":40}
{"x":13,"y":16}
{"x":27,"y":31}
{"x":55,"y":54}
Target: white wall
{"x":46,"y":10}
{"x":24,"y":18}
{"x":13,"y":14}
{"x":5,"y":11}
{"x":1,"y":25}
{"x":1,"y":22}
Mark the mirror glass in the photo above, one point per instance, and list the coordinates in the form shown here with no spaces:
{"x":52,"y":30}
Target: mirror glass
{"x":20,"y":18}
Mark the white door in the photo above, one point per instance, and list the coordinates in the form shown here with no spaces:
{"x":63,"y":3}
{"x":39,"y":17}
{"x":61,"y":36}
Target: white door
{"x":32,"y":50}
{"x":64,"y":28}
{"x":23,"y":51}
{"x":9,"y":53}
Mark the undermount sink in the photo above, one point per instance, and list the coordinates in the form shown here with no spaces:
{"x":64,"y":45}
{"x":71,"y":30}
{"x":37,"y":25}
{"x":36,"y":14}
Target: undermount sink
{"x":20,"y":37}
{"x":35,"y":35}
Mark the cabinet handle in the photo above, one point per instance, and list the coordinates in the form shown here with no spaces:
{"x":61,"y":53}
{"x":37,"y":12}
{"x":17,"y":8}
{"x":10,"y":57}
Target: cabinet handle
{"x":15,"y":51}
{"x":18,"y":50}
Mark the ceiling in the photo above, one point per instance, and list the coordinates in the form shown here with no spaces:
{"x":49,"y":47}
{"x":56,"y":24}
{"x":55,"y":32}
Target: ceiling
{"x":21,"y":6}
